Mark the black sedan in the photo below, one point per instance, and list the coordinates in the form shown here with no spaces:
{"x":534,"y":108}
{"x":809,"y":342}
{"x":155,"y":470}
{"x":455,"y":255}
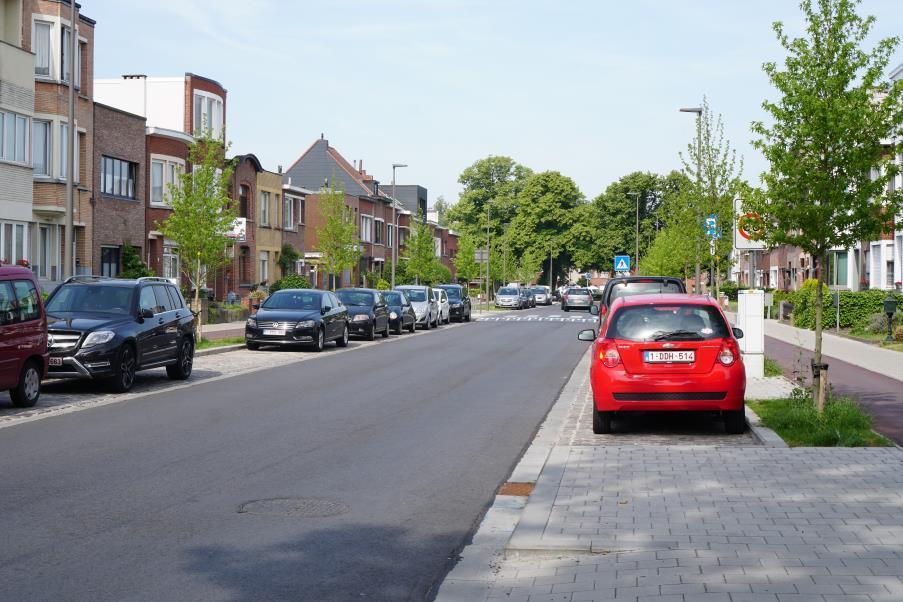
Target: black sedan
{"x":367,"y":311}
{"x":297,"y":316}
{"x":459,"y":301}
{"x":401,"y":312}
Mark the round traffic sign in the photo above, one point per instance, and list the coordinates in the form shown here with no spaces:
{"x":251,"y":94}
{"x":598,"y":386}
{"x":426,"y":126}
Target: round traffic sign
{"x":751,"y":226}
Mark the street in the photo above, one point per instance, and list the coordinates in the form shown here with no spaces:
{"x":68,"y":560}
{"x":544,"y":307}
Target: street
{"x":403,"y":443}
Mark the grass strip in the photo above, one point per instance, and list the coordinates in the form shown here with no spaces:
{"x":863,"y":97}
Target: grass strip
{"x":208,"y":343}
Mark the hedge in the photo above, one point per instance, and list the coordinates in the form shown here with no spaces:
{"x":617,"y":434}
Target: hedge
{"x":290,"y":281}
{"x":855,"y":306}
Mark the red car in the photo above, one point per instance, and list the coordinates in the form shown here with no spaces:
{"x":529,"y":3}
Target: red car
{"x":666,"y":353}
{"x":23,"y":336}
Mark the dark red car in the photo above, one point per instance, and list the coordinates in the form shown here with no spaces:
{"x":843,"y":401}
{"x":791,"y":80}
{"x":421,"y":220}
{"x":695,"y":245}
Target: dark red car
{"x":23,"y":336}
{"x":666,"y":353}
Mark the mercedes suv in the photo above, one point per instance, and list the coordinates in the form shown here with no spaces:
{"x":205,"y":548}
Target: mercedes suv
{"x":107,"y":329}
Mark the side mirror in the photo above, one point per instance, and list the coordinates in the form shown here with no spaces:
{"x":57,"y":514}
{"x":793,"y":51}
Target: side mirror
{"x":737,"y":333}
{"x":325,"y":309}
{"x":146,"y":312}
{"x":587,"y":335}
{"x":255,"y":306}
{"x":594,"y":309}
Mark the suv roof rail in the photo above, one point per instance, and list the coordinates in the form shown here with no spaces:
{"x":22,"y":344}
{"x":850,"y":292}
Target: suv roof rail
{"x":85,"y":277}
{"x":154,"y":279}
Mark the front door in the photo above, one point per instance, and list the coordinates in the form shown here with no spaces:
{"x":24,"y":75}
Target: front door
{"x":150,"y":331}
{"x":9,"y":356}
{"x":169,"y":335}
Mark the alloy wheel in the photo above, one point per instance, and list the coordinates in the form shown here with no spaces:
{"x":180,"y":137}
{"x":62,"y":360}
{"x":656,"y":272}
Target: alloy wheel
{"x":126,"y":368}
{"x":32,"y":383}
{"x":187,"y":359}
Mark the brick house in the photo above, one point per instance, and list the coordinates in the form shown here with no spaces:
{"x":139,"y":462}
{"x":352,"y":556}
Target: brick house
{"x":166,"y":157}
{"x":240,"y":276}
{"x":294,"y":222}
{"x":45,"y":32}
{"x":120,"y":173}
{"x":268,"y":226}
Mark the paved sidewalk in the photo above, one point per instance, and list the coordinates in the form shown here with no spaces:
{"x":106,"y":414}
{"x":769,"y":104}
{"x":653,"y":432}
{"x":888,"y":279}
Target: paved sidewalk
{"x":686,"y":516}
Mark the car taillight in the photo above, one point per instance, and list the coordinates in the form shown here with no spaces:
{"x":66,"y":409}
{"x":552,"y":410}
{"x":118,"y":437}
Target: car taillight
{"x":610,"y":356}
{"x":728,"y":354}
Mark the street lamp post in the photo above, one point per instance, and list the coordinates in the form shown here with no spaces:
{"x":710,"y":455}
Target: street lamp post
{"x":698,"y":110}
{"x":488,"y":247}
{"x":69,"y":234}
{"x":395,"y":236}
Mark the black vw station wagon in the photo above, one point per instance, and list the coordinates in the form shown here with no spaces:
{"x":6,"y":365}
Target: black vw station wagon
{"x":298,"y":316}
{"x":108,"y":328}
{"x":368,"y":311}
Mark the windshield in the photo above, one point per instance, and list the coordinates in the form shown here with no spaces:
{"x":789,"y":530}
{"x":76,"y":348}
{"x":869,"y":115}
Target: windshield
{"x":92,"y":298}
{"x":416,"y":296}
{"x":538,"y":291}
{"x":578,"y":291}
{"x":292,"y":300}
{"x":627,"y":289}
{"x":667,"y":322}
{"x":355,"y":298}
{"x":454,"y":294}
{"x":507,"y":291}
{"x":393,"y":298}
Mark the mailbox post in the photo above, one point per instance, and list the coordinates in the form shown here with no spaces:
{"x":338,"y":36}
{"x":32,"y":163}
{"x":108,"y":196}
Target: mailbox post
{"x":751,"y":319}
{"x":890,"y":308}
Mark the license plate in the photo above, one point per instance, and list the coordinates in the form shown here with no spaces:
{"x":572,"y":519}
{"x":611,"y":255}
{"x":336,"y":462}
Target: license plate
{"x":669,"y":357}
{"x":56,"y":361}
{"x":273,"y":333}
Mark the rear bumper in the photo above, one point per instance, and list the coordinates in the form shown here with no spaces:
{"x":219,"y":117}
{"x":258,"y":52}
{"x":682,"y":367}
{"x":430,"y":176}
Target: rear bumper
{"x":615,"y":390}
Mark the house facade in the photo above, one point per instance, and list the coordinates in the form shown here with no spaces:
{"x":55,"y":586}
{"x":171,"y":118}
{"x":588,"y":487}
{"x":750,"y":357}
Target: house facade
{"x":166,"y":155}
{"x":269,"y":226}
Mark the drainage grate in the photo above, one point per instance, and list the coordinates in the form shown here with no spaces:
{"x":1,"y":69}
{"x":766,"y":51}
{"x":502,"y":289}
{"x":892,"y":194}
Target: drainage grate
{"x":516,"y":488}
{"x":300,"y":507}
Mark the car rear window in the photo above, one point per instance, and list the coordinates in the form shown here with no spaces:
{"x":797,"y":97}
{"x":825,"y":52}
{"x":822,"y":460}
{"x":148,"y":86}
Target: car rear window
{"x":627,"y":289}
{"x":578,"y":291}
{"x":680,"y":322}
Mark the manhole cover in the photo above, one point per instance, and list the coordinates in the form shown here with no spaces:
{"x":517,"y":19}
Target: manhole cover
{"x":301,"y":507}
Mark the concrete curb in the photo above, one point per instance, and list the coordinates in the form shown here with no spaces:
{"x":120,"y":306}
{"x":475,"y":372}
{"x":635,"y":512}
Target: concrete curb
{"x":763,"y":436}
{"x":218,"y":350}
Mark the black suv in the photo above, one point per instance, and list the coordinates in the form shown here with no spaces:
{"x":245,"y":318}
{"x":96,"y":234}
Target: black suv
{"x":625,"y":286}
{"x":458,"y":302}
{"x":105,"y":328}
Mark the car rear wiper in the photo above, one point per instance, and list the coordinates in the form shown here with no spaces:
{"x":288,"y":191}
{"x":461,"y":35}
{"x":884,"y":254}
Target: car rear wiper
{"x":677,"y":333}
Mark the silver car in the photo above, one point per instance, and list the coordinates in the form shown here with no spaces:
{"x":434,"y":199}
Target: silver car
{"x":508,"y":297}
{"x":542,"y":295}
{"x":576,"y":298}
{"x":426,"y":309}
{"x":441,"y":298}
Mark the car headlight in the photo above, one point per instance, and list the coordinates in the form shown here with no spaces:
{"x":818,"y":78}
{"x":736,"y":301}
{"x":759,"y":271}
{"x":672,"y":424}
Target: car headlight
{"x":393,"y":316}
{"x":98,"y":338}
{"x":252,"y":322}
{"x":306,"y":324}
{"x":361,"y":318}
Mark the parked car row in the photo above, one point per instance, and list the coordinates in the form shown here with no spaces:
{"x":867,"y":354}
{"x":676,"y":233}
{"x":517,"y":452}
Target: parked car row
{"x":314,"y":317}
{"x":515,"y":296}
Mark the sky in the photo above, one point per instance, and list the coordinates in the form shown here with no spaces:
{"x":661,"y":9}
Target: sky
{"x":587,"y":88}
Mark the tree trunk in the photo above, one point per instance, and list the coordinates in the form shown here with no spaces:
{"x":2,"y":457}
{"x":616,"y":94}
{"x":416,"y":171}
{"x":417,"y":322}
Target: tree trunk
{"x":198,"y":326}
{"x":819,"y":378}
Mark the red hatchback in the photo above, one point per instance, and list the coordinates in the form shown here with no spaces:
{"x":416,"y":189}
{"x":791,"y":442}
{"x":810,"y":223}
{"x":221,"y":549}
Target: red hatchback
{"x":666,"y":353}
{"x":23,"y":336}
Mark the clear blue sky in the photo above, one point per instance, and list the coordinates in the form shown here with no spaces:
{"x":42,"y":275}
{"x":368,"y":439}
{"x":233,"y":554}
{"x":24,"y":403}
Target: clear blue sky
{"x":589,"y":88}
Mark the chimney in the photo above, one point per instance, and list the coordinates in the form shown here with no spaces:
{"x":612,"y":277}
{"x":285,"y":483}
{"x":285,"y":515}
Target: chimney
{"x":360,"y":166}
{"x":279,"y":169}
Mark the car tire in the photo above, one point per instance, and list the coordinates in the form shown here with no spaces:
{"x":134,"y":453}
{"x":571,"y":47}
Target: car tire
{"x":252,"y":346}
{"x":413,"y":327}
{"x":371,"y":334}
{"x":467,"y":316}
{"x":28,"y":389}
{"x":601,"y":422}
{"x":386,"y":331}
{"x":342,"y":341}
{"x":181,"y":370}
{"x":400,"y":328}
{"x":126,"y":366}
{"x":566,"y":308}
{"x":734,"y":422}
{"x":427,"y":325}
{"x":321,"y":340}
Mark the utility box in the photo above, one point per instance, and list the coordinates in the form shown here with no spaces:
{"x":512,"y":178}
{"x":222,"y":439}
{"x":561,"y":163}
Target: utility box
{"x":751,"y":320}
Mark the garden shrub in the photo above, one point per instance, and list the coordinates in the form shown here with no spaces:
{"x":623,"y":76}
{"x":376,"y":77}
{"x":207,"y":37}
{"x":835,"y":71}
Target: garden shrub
{"x":898,"y":334}
{"x":857,"y":308}
{"x":290,"y":281}
{"x":876,"y":323}
{"x":383,"y":285}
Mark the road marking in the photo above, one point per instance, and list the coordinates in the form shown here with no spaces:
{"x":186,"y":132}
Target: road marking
{"x":538,"y":319}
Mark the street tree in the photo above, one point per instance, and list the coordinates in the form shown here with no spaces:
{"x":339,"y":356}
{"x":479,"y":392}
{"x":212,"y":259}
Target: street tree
{"x":465,"y":261}
{"x":338,"y":239}
{"x":202,"y":215}
{"x":495,"y":181}
{"x":713,"y":170}
{"x":420,"y":251}
{"x":441,"y":209}
{"x":828,"y":141}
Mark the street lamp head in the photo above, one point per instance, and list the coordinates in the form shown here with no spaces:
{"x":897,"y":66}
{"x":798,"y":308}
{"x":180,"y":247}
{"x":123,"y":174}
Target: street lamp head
{"x":697,"y":110}
{"x":394,"y":165}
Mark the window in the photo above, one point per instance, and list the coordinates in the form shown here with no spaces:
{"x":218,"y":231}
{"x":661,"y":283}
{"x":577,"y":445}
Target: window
{"x":288,"y":213}
{"x":7,"y":304}
{"x":170,"y":263}
{"x":390,"y":235}
{"x":41,"y":47}
{"x":264,"y":265}
{"x":13,"y":137}
{"x":837,"y":269}
{"x":164,"y":302}
{"x":40,"y":150}
{"x":13,"y":242}
{"x":207,"y":113}
{"x":366,"y":228}
{"x":147,"y":299}
{"x":175,"y":297}
{"x":378,"y":232}
{"x":27,"y":300}
{"x":64,"y":151}
{"x":244,"y":194}
{"x":64,"y":57}
{"x":301,"y":208}
{"x":437,"y":246}
{"x":164,"y":175}
{"x":117,"y":177}
{"x":265,"y":208}
{"x":109,"y":261}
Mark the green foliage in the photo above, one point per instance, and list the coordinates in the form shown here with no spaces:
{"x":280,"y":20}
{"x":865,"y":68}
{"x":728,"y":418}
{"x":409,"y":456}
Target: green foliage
{"x":288,"y":257}
{"x":898,"y":333}
{"x":338,"y":239}
{"x":671,"y":254}
{"x":132,"y":266}
{"x":290,"y":280}
{"x":441,"y":274}
{"x":441,"y":207}
{"x":465,"y":262}
{"x":797,"y":421}
{"x":804,"y":304}
{"x":383,"y":285}
{"x":858,"y":309}
{"x":421,"y":253}
{"x":493,"y":180}
{"x":202,"y":211}
{"x":732,"y":289}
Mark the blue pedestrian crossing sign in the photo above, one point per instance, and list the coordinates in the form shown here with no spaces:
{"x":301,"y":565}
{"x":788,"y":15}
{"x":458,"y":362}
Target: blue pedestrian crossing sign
{"x":622,"y":263}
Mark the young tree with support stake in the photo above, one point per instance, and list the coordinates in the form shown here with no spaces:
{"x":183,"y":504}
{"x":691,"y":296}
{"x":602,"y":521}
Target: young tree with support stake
{"x":202,"y":216}
{"x":830,"y":159}
{"x":338,"y":240}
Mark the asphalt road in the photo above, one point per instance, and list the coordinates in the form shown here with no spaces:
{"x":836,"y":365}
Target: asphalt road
{"x":881,"y":396}
{"x":406,"y":441}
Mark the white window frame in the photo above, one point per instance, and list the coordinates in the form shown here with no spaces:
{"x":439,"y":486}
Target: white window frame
{"x":263,"y":204}
{"x":376,"y":222}
{"x":14,"y":229}
{"x":437,"y":246}
{"x":172,"y":169}
{"x":288,"y":217}
{"x":48,"y":147}
{"x":64,"y":63}
{"x":15,"y":138}
{"x":366,"y":229}
{"x":390,"y":235}
{"x":63,"y":148}
{"x":49,"y":50}
{"x":171,"y":262}
{"x":264,"y":265}
{"x":210,"y":104}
